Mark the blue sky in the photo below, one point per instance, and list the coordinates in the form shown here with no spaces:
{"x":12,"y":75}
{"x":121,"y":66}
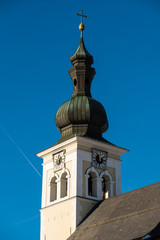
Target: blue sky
{"x":37,"y":39}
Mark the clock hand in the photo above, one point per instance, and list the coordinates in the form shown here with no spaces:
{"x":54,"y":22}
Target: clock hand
{"x":100,"y":157}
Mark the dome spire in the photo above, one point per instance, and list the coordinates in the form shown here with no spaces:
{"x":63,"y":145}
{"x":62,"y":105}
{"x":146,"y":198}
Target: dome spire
{"x":81,"y":54}
{"x":81,"y":26}
{"x":81,"y":115}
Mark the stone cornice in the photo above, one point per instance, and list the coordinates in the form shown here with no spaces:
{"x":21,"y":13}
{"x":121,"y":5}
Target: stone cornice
{"x":83,"y":141}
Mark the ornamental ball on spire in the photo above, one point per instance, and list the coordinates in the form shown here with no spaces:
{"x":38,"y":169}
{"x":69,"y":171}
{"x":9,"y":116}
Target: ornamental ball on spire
{"x":81,"y":26}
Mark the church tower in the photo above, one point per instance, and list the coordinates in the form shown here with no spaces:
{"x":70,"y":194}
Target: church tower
{"x":82,"y":168}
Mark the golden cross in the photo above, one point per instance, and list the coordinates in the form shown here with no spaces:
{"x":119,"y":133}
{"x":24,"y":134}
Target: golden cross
{"x":81,"y":26}
{"x":81,"y":15}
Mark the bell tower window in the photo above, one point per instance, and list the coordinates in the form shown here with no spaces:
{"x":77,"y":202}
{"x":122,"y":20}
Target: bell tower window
{"x":105,"y":187}
{"x":107,"y":184}
{"x":53,"y":189}
{"x":64,"y":185}
{"x":92,"y":184}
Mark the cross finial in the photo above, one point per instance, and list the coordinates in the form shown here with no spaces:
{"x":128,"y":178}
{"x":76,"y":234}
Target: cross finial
{"x":81,"y":26}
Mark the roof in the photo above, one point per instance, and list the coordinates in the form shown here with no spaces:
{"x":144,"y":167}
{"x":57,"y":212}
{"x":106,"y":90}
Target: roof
{"x":124,"y":217}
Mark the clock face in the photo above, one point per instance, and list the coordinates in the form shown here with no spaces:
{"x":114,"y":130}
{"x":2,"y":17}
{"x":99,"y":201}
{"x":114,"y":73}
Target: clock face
{"x":99,"y":159}
{"x":58,"y":160}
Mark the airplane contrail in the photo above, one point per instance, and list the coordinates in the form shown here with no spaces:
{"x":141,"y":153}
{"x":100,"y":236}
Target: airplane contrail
{"x":26,"y":220}
{"x":19,"y":149}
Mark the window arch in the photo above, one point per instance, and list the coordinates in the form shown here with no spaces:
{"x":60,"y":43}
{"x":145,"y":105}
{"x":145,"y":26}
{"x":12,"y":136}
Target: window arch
{"x":91,"y":182}
{"x":107,"y":185}
{"x":64,"y":179}
{"x":53,"y":189}
{"x":64,"y":187}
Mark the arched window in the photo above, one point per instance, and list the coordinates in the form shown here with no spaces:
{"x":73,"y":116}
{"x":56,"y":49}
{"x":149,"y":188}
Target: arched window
{"x":92,"y":184}
{"x":64,"y":185}
{"x":53,"y":189}
{"x":105,"y":187}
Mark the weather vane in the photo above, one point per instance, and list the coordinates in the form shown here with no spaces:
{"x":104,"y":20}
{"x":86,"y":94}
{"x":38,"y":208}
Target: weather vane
{"x":81,"y":26}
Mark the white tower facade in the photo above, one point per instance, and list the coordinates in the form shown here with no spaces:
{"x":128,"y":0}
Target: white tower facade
{"x":69,"y":172}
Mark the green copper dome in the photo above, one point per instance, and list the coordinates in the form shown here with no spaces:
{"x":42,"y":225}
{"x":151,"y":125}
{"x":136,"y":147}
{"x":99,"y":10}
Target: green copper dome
{"x":82,"y":115}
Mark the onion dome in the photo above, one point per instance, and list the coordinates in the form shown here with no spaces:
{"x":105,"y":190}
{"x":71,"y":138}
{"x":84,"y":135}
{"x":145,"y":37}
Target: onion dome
{"x":82,"y":115}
